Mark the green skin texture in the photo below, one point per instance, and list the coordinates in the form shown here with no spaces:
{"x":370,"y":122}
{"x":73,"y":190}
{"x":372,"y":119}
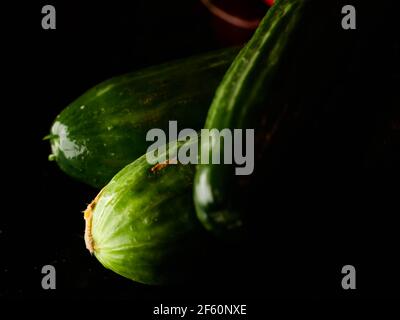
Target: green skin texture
{"x":105,"y":129}
{"x":241,"y":94}
{"x":144,"y":225}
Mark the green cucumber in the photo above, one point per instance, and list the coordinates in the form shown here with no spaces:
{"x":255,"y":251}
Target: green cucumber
{"x":262,"y":90}
{"x":143,"y":225}
{"x":235,"y":104}
{"x":105,"y":129}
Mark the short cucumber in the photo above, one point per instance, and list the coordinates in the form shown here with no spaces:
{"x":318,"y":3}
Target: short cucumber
{"x":105,"y":129}
{"x":143,"y":225}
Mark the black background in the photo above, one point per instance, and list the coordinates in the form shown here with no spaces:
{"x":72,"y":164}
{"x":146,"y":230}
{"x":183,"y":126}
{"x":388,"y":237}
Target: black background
{"x":343,"y":218}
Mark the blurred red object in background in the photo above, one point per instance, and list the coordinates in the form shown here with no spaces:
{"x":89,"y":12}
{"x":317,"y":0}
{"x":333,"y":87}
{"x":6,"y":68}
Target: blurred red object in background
{"x":234,"y":21}
{"x":269,"y":2}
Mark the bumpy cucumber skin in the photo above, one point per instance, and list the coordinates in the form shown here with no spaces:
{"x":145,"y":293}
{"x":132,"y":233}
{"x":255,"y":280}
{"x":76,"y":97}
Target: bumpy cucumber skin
{"x":238,"y":100}
{"x":105,"y":129}
{"x":143,"y":224}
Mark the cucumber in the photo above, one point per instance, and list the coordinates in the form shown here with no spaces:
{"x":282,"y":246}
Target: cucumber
{"x":271,"y":86}
{"x":105,"y":129}
{"x":239,"y":96}
{"x":143,"y":226}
